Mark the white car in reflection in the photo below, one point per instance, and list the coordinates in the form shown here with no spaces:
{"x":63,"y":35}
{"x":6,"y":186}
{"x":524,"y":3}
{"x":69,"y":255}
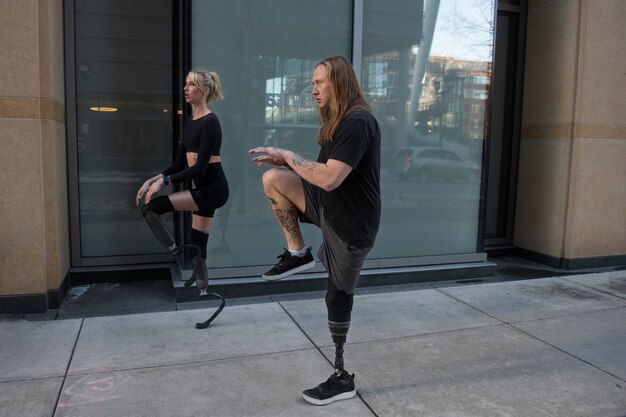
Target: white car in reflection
{"x":426,"y":163}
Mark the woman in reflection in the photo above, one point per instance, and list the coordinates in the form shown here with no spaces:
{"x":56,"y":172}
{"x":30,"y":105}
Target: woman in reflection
{"x":199,"y":160}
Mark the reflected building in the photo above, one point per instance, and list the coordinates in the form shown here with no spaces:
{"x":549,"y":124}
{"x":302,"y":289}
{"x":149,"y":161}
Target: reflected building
{"x":453,"y":104}
{"x":451,"y":108}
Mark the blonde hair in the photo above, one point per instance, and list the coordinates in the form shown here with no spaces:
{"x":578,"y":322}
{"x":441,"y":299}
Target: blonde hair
{"x":208,"y":82}
{"x":345,"y":97}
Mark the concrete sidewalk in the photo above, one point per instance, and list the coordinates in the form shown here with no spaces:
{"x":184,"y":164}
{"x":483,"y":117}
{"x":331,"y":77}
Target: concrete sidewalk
{"x":542,"y":347}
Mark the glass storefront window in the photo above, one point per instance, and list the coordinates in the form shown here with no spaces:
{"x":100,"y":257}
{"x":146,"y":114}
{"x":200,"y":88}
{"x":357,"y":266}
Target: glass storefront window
{"x":265,"y":53}
{"x":426,"y":69}
{"x":124,"y":118}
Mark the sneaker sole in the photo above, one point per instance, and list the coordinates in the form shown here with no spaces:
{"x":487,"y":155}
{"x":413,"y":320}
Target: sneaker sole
{"x":342,"y":396}
{"x":301,"y":268}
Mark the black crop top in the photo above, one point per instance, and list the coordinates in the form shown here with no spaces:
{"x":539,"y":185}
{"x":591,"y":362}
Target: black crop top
{"x":203,"y":136}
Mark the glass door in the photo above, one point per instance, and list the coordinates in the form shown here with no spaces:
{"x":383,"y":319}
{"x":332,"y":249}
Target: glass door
{"x":124,"y":129}
{"x":505,"y":125}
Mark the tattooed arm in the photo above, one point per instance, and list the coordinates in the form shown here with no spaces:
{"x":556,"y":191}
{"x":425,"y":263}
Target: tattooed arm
{"x":327,"y":176}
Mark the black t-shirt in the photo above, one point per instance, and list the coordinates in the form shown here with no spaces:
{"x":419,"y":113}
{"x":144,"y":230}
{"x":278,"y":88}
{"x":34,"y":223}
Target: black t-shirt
{"x":203,"y":136}
{"x":353,"y":208}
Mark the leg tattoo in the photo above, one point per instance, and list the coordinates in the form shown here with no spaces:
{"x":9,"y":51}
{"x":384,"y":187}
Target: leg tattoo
{"x":288,"y":219}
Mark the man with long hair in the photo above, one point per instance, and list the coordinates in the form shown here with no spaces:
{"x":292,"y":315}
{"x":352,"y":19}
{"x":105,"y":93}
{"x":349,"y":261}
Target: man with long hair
{"x":340,"y":193}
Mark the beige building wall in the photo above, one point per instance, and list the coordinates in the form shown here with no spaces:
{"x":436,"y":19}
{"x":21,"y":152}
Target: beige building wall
{"x":34,"y":241}
{"x":571,"y":201}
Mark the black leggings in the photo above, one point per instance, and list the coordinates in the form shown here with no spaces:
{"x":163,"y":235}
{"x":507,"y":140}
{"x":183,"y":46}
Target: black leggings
{"x":339,"y":304}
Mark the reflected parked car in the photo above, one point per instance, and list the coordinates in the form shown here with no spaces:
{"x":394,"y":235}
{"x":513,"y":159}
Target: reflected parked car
{"x":425,"y":163}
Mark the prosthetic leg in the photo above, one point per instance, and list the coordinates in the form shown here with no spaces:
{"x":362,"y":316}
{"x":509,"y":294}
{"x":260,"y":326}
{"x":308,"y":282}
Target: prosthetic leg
{"x":158,"y":227}
{"x":202,"y":282}
{"x":339,"y":305}
{"x":199,"y":240}
{"x":340,"y":385}
{"x":339,"y":332}
{"x":152,"y":214}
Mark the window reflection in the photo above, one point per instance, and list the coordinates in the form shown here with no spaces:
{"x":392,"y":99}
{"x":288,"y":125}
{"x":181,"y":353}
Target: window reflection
{"x":425,"y":69}
{"x":427,"y":78}
{"x":124,"y":118}
{"x":265,"y":53}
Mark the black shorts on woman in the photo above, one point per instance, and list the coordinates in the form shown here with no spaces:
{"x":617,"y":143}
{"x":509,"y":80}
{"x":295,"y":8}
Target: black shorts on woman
{"x":211,"y":191}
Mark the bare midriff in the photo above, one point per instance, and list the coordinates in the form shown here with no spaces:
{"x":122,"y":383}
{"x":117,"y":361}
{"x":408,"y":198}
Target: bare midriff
{"x":192,"y":158}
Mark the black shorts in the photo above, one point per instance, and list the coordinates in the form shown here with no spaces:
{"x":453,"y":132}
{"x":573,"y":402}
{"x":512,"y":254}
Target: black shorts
{"x":211,"y":195}
{"x":342,"y":260}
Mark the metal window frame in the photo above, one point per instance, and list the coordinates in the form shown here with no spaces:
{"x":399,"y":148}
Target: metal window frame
{"x":507,"y":240}
{"x":357,"y":37}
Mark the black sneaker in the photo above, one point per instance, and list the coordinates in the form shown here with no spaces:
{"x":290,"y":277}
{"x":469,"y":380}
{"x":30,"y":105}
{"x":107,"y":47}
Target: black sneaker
{"x":289,"y":265}
{"x":340,"y":386}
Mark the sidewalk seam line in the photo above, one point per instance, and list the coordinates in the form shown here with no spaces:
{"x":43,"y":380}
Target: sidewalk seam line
{"x":414,"y":336}
{"x":543,"y":341}
{"x":67,"y":368}
{"x":565,"y":352}
{"x":367,"y":405}
{"x":27,"y":379}
{"x":471,"y":306}
{"x":617,"y":307}
{"x":191,"y":362}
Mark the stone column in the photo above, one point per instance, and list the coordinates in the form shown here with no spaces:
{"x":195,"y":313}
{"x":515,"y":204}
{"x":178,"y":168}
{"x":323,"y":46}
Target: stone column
{"x":34,"y":240}
{"x":571,"y":201}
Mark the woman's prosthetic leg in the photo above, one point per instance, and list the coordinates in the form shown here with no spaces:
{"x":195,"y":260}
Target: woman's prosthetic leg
{"x":199,"y":275}
{"x":199,"y":240}
{"x":152,"y":213}
{"x":339,"y":305}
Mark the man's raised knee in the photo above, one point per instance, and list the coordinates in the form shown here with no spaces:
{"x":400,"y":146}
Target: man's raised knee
{"x":271,"y":176}
{"x":282,"y":184}
{"x":276,"y":179}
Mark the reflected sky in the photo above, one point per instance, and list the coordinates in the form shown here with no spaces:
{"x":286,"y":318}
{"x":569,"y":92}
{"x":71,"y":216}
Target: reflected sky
{"x":464,"y":29}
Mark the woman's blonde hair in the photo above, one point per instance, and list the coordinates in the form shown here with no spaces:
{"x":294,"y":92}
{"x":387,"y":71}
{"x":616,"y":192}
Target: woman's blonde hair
{"x":345,"y":97}
{"x":208,"y":82}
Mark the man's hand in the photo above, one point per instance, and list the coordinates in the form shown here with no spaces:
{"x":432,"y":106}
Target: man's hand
{"x":269,"y":155}
{"x":327,"y":176}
